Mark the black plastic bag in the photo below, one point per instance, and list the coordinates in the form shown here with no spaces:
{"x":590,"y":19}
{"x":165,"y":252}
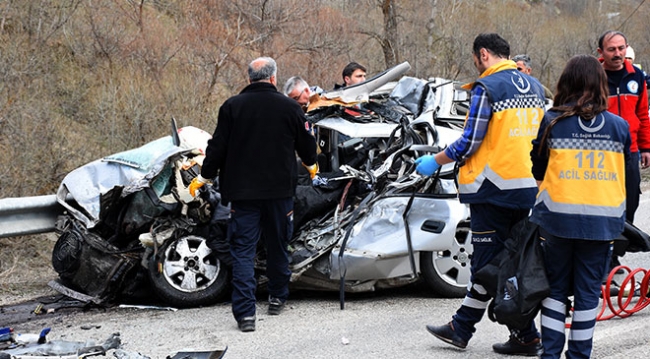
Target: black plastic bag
{"x":521,"y":283}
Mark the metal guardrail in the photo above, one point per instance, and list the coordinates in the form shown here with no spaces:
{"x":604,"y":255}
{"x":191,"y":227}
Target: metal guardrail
{"x":28,"y":215}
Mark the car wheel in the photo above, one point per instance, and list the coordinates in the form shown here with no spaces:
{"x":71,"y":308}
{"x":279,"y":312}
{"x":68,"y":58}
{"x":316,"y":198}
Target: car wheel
{"x":448,"y":272}
{"x":187,"y":274}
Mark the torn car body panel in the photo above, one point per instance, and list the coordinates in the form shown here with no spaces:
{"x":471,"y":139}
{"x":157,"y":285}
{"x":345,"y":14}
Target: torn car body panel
{"x":130,"y":171}
{"x":368,"y":220}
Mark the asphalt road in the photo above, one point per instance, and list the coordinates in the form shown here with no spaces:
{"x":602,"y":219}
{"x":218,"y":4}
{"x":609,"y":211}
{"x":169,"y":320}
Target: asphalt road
{"x":385,"y":324}
{"x":382,"y":325}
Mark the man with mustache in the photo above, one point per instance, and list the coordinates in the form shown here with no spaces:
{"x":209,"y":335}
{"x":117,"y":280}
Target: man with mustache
{"x":628,"y":99}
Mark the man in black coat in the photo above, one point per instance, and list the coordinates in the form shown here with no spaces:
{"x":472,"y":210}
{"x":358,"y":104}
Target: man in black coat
{"x":253,"y":150}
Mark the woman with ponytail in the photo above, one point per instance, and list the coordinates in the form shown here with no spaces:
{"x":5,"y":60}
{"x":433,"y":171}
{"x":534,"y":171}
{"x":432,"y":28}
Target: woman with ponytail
{"x":579,"y":159}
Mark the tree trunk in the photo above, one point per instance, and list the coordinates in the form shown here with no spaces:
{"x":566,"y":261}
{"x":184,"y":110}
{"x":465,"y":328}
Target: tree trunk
{"x":389,"y":41}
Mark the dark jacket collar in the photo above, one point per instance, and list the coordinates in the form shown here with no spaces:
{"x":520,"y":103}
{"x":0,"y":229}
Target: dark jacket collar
{"x":261,"y":86}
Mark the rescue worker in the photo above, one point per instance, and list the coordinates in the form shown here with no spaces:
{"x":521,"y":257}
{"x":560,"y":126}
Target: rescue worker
{"x":630,"y":56}
{"x":297,"y":88}
{"x":524,"y":64}
{"x":628,"y":99}
{"x":505,"y":109}
{"x":579,"y":163}
{"x":258,"y":134}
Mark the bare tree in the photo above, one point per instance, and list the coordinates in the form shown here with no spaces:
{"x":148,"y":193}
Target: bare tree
{"x":390,"y":39}
{"x":82,"y":79}
{"x":387,"y":36}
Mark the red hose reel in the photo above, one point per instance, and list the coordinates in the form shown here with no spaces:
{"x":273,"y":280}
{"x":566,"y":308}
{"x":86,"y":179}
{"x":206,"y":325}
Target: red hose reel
{"x":632,"y":295}
{"x":631,"y":298}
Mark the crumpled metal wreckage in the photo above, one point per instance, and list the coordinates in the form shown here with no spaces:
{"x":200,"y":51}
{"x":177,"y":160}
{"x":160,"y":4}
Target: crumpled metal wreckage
{"x":64,"y":349}
{"x":368,"y":222}
{"x":61,"y":349}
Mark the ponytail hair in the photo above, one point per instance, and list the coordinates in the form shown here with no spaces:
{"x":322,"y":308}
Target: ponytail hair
{"x":581,"y":91}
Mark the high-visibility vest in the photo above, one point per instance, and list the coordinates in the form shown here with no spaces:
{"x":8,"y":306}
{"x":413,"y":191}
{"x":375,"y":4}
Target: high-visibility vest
{"x":499,"y":172}
{"x":583,"y":191}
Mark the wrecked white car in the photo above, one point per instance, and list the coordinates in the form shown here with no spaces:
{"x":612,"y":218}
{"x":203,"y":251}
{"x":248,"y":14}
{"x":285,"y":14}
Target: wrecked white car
{"x":367,"y":222}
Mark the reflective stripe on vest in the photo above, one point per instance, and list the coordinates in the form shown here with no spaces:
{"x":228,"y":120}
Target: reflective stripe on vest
{"x":585,"y":177}
{"x":582,"y":209}
{"x":504,"y":156}
{"x":500,"y":182}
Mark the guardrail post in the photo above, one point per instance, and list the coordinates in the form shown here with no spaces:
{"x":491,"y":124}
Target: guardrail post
{"x":28,"y":215}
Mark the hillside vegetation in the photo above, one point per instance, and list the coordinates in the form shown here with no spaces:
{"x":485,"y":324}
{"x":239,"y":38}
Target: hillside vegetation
{"x":83,"y":79}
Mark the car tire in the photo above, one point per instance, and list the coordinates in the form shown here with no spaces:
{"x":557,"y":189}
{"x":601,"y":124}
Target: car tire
{"x":186,"y":273}
{"x":448,"y":272}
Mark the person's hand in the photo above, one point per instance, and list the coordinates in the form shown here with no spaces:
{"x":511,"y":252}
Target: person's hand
{"x":426,"y":165}
{"x":313,"y":170}
{"x":645,"y":160}
{"x":197,"y":182}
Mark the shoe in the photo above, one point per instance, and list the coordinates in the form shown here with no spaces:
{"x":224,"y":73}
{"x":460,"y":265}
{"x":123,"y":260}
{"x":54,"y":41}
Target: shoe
{"x":247,"y":324}
{"x":515,"y":347}
{"x":447,"y":334}
{"x":276,"y":305}
{"x":615,"y":262}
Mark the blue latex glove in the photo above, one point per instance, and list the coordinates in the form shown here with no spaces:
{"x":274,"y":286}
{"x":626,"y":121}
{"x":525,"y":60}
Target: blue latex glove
{"x":426,"y":165}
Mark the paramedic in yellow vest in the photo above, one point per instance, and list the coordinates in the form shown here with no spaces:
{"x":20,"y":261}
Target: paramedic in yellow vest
{"x":495,"y":177}
{"x":579,"y":160}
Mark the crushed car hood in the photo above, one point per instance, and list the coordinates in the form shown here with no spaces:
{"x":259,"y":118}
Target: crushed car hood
{"x":130,"y":170}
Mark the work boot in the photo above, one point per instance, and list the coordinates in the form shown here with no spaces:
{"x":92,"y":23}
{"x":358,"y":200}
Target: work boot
{"x":276,"y":305}
{"x":447,"y":334}
{"x":246,"y":324}
{"x":515,"y":347}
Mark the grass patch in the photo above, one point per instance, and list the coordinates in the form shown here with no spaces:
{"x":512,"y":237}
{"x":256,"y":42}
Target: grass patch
{"x":25,"y":267}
